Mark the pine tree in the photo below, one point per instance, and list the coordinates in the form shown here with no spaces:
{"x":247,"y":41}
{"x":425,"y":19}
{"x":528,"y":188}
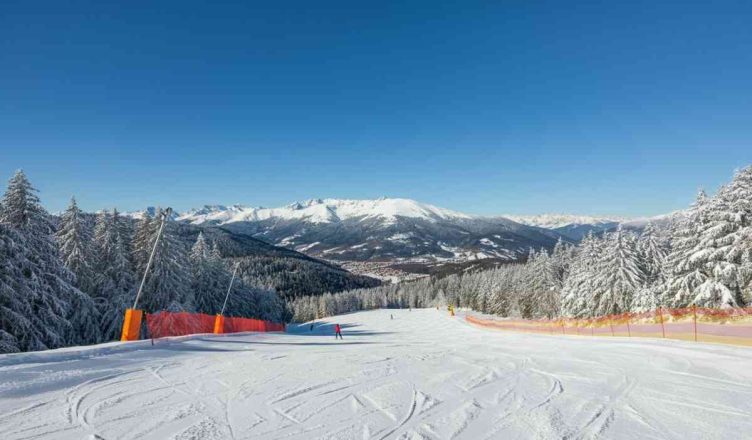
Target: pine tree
{"x":74,"y":242}
{"x":578,"y":287}
{"x":142,"y":243}
{"x":653,"y":253}
{"x":544,"y":286}
{"x":619,"y":275}
{"x":18,"y":324}
{"x":60,"y":313}
{"x":114,"y":282}
{"x":210,"y":278}
{"x":168,"y":285}
{"x":684,"y":271}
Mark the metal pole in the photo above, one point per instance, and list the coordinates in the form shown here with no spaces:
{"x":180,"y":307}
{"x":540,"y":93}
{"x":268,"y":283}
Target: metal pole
{"x":165,"y":214}
{"x":229,"y":288}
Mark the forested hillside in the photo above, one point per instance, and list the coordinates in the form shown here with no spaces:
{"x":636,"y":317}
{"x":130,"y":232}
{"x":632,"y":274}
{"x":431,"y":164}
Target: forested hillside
{"x":67,"y":280}
{"x":702,"y":257}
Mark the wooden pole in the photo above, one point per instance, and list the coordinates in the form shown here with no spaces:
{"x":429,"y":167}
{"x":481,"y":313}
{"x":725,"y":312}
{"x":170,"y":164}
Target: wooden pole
{"x":629,"y":331}
{"x":660,"y":315}
{"x":694,"y":315}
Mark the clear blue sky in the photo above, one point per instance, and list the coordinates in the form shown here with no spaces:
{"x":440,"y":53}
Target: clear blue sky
{"x":484,"y":107}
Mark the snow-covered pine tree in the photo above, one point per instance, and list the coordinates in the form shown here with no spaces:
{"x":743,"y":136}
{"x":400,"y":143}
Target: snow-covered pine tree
{"x":168,"y":283}
{"x":114,"y":283}
{"x":18,"y":324}
{"x":561,"y":260}
{"x":209,"y":277}
{"x":653,"y":250}
{"x":732,"y":229}
{"x":683,"y":273}
{"x":703,"y":270}
{"x":142,"y":243}
{"x":578,"y":287}
{"x":74,"y":242}
{"x":723,"y":247}
{"x":543,"y":285}
{"x":619,"y":274}
{"x":61,"y":314}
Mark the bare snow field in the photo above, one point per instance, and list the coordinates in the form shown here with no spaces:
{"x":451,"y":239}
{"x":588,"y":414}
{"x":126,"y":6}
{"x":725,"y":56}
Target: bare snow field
{"x":422,"y":375}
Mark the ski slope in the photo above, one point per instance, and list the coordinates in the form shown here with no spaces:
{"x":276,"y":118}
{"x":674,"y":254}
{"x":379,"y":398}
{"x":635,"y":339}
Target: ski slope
{"x":422,"y":375}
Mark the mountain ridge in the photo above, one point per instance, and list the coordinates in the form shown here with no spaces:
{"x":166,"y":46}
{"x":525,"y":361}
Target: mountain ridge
{"x":395,"y":230}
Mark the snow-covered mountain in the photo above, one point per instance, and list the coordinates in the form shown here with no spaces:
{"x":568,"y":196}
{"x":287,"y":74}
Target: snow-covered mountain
{"x":385,"y":229}
{"x":554,"y":221}
{"x":324,"y":211}
{"x":574,"y":227}
{"x":151,"y":211}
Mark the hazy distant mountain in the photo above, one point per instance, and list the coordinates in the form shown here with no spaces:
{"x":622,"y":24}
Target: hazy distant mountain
{"x":574,"y":227}
{"x":395,"y":230}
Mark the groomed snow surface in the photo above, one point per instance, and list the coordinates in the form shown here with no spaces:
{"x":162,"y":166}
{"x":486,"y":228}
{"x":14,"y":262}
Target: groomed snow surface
{"x":422,"y":375}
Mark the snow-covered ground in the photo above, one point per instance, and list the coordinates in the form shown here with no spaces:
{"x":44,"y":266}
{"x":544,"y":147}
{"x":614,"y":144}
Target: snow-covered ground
{"x":421,"y":375}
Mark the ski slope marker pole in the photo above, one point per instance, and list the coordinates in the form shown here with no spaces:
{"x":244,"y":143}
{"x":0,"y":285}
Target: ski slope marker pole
{"x":229,"y":288}
{"x":165,"y":214}
{"x":219,"y":320}
{"x":132,"y":319}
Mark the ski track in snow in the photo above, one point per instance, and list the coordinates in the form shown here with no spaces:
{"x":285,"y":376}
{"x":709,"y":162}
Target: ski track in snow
{"x":422,"y":375}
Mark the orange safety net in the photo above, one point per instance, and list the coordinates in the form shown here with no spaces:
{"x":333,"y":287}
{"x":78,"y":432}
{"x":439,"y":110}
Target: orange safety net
{"x":163,"y":324}
{"x":726,"y":326}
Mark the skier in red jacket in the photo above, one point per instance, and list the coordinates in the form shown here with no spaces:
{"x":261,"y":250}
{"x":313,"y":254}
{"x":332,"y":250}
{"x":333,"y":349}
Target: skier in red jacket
{"x":337,"y":331}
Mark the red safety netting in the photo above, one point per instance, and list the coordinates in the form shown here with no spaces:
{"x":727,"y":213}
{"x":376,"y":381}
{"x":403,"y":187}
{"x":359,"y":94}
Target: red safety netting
{"x":234,"y":325}
{"x":727,"y":326}
{"x":163,"y":324}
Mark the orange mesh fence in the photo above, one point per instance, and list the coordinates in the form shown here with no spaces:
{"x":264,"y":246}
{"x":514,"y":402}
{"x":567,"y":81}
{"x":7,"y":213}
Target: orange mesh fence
{"x":163,"y":324}
{"x":727,"y":326}
{"x":234,"y":325}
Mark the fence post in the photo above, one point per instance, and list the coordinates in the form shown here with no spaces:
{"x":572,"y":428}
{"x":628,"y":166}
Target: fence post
{"x":131,"y":325}
{"x":660,"y":315}
{"x":629,"y":331}
{"x":694,"y":315}
{"x":219,"y":324}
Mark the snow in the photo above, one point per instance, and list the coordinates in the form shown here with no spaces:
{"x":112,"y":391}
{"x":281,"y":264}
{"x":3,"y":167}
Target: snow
{"x":554,"y":221}
{"x":324,"y":211}
{"x":488,"y":242}
{"x":421,"y":375}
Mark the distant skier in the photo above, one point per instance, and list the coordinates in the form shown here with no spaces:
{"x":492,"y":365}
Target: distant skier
{"x":311,"y":326}
{"x":392,"y":316}
{"x":337,"y":331}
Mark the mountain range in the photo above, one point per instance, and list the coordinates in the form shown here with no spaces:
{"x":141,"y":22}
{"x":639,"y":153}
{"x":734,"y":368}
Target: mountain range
{"x":398,"y":233}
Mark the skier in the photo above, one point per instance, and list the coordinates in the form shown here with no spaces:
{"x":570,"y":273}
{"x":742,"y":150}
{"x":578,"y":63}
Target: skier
{"x":311,"y":326}
{"x":337,"y":331}
{"x":392,"y":316}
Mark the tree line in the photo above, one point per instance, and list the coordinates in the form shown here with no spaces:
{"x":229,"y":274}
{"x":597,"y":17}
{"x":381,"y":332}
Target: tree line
{"x":68,"y":280}
{"x":701,"y":256}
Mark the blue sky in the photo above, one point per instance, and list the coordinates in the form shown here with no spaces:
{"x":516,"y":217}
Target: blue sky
{"x":485,"y":107}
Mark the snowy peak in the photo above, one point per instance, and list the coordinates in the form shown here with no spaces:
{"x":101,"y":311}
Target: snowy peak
{"x":324,"y":211}
{"x":151,"y":211}
{"x":555,"y":221}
